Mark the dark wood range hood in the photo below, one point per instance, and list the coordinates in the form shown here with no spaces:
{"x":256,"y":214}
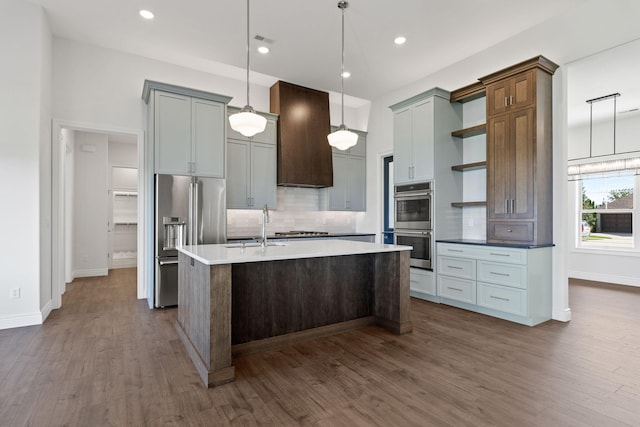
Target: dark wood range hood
{"x":304,"y":154}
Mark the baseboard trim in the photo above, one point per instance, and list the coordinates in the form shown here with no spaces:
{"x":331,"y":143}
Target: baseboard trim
{"x":562,"y":315}
{"x":606,"y":278}
{"x":46,"y":310}
{"x":91,"y":273}
{"x":20,"y":320}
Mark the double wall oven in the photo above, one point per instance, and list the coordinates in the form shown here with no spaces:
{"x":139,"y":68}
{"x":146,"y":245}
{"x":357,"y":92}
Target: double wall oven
{"x":413,"y":221}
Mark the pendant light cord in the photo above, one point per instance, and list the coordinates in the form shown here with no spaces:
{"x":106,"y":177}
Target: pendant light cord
{"x":248,"y":52}
{"x":342,"y":69}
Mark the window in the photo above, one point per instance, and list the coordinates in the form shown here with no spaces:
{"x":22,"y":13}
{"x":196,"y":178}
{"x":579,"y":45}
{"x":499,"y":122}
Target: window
{"x":607,"y":210}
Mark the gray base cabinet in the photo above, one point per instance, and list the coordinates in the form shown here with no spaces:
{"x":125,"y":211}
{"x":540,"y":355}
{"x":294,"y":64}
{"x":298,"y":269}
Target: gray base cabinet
{"x":510,"y":283}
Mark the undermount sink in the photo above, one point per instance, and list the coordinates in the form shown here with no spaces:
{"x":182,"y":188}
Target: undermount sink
{"x":253,"y":245}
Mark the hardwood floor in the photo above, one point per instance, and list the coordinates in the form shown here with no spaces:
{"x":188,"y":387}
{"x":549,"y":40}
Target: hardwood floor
{"x":106,"y":359}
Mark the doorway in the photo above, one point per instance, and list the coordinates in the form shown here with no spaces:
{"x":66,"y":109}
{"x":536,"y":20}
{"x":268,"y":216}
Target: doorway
{"x":388,"y":206}
{"x":93,"y":141}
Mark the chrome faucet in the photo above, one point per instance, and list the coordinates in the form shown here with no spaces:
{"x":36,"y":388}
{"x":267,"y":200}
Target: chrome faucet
{"x":265,"y":220}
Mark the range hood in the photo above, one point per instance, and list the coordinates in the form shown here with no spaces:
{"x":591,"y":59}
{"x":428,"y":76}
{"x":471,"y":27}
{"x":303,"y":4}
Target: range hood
{"x":304,"y":154}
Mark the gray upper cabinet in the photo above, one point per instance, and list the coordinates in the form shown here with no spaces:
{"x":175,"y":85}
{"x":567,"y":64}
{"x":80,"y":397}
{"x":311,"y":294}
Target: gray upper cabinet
{"x":187,"y":129}
{"x":349,"y":177}
{"x":413,"y":138}
{"x":252,"y":167}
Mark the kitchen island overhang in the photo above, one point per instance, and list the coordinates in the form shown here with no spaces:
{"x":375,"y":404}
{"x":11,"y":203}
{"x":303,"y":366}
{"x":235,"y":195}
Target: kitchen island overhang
{"x":235,"y":299}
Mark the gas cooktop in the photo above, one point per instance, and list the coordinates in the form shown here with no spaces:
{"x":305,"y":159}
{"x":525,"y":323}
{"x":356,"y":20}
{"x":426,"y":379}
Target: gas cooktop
{"x":301,"y":233}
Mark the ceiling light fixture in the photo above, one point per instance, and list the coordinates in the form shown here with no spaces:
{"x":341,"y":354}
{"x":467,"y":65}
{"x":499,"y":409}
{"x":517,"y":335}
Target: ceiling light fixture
{"x":400,"y":40}
{"x":246,"y":121}
{"x":346,"y":74}
{"x":146,"y":14}
{"x":342,"y":138}
{"x":263,"y":50}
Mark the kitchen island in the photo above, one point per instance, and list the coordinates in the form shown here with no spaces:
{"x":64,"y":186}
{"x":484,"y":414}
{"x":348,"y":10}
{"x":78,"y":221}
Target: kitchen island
{"x":240,"y":298}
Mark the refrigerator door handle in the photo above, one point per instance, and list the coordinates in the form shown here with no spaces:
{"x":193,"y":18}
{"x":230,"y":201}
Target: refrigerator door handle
{"x":190,"y":220}
{"x":196,"y":214}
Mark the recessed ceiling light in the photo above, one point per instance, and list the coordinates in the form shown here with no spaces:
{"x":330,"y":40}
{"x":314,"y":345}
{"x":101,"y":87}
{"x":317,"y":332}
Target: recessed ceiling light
{"x":263,"y":49}
{"x":400,"y":40}
{"x":146,"y":14}
{"x":346,"y":74}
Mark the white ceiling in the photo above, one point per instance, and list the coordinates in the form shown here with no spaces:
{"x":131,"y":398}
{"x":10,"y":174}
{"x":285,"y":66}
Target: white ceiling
{"x":305,"y":35}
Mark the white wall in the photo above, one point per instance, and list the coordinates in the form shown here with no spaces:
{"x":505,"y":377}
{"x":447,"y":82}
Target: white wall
{"x":90,"y":205}
{"x":24,"y":160}
{"x":583,"y":30}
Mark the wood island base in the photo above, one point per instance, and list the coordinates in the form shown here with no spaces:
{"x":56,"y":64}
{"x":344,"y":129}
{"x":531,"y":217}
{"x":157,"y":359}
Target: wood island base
{"x":227,"y":310}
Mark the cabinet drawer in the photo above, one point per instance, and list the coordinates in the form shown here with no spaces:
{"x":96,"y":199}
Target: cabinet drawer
{"x":422,"y":281}
{"x":503,"y":255}
{"x":511,"y":231}
{"x":457,"y":289}
{"x":453,"y":250}
{"x":503,"y":274}
{"x":509,"y":300}
{"x":457,"y":267}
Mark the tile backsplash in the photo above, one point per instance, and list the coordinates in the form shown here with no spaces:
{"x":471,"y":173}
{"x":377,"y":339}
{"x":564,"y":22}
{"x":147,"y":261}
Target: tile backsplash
{"x":297,"y":209}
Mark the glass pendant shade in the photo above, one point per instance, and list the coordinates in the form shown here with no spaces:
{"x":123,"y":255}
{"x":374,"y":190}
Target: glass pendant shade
{"x":247,"y":122}
{"x":343,"y":138}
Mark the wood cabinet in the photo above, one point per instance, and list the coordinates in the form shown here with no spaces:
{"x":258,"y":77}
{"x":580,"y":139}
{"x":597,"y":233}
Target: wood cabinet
{"x":349,"y":178}
{"x":251,"y":167}
{"x":187,"y":130}
{"x":519,"y":153}
{"x":304,"y":153}
{"x":506,"y":282}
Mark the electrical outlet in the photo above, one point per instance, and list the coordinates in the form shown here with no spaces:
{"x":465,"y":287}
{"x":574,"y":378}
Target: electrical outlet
{"x":14,"y":293}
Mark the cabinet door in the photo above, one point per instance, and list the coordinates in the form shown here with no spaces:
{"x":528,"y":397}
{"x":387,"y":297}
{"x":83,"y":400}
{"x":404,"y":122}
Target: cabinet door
{"x":207,"y":149}
{"x":360,"y":149}
{"x":238,"y":174}
{"x":338,"y":193}
{"x":522,"y":164}
{"x":402,"y":151}
{"x":263,"y":175}
{"x":511,"y":94}
{"x":423,"y":141}
{"x":172,"y":130}
{"x":356,"y":183}
{"x":499,"y":167}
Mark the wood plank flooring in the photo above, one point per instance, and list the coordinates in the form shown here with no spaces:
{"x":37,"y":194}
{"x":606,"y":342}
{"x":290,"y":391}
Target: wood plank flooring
{"x":106,"y":359}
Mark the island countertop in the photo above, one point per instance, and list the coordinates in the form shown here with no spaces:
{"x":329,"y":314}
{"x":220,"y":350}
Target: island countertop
{"x":236,"y":253}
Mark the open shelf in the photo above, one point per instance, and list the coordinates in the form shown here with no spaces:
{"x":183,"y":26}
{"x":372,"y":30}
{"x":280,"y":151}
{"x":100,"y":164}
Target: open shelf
{"x":469,"y":166}
{"x":467,"y":204}
{"x":469,"y":132}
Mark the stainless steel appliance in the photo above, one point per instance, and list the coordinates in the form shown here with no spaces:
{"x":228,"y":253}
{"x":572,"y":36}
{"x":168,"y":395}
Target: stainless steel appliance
{"x":413,"y":222}
{"x":422,"y":242}
{"x":188,"y":210}
{"x":413,"y":206}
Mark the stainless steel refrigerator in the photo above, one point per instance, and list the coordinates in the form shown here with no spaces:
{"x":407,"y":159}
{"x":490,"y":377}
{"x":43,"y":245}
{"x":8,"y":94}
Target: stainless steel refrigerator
{"x":188,"y":210}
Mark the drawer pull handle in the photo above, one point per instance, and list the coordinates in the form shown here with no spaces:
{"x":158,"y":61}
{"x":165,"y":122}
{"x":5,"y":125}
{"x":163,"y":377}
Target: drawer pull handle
{"x":492,"y":253}
{"x":500,"y":298}
{"x":509,"y":230}
{"x":455,"y":289}
{"x":455,"y":250}
{"x":454,"y":267}
{"x":500,"y":274}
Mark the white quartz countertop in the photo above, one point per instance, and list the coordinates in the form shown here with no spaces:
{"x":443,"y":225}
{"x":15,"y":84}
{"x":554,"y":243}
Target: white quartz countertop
{"x":235,"y":253}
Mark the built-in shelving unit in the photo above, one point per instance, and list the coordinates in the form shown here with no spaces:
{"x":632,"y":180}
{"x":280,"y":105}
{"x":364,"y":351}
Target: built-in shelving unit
{"x":125,"y":228}
{"x":472,"y":138}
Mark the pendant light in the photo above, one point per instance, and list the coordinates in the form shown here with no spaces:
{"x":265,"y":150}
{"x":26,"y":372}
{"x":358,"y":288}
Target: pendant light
{"x":246,"y":121}
{"x":342,"y":138}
